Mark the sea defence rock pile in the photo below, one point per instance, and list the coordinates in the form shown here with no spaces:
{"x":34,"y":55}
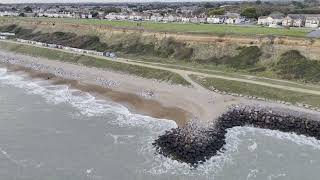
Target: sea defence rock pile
{"x":195,"y":144}
{"x":306,"y":106}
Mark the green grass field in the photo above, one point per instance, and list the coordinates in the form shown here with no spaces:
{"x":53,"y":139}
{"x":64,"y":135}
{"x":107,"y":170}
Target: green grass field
{"x":258,"y":90}
{"x":217,"y":29}
{"x":89,"y":61}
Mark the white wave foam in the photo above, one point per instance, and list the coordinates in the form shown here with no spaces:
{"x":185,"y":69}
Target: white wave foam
{"x":121,"y":139}
{"x":253,"y":147}
{"x":162,"y":165}
{"x":300,"y":140}
{"x":23,"y":162}
{"x":3,"y":71}
{"x":86,"y":103}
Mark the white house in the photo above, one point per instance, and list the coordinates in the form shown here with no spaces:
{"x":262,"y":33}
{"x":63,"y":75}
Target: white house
{"x":51,"y":15}
{"x":263,"y":20}
{"x":234,"y":18}
{"x":8,"y":13}
{"x":294,"y":20}
{"x":230,"y":20}
{"x":185,"y":19}
{"x":216,"y":19}
{"x":241,"y":20}
{"x":169,"y":18}
{"x":156,"y":18}
{"x":111,"y":16}
{"x":312,"y":21}
{"x":202,"y":20}
{"x":194,"y":20}
{"x":83,"y":16}
{"x":271,"y":20}
{"x":139,"y":17}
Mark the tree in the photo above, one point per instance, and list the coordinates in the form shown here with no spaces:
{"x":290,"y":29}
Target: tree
{"x":94,"y":14}
{"x":22,"y":15}
{"x":112,"y":10}
{"x":208,"y":5}
{"x":299,"y":5}
{"x":249,"y":12}
{"x":27,"y":9}
{"x":216,"y":11}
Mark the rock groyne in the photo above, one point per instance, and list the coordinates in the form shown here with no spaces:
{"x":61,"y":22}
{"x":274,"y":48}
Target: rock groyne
{"x":194,"y":144}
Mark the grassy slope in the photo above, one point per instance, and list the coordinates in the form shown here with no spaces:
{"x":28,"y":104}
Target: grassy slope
{"x":258,"y":90}
{"x":218,"y":29}
{"x":95,"y":62}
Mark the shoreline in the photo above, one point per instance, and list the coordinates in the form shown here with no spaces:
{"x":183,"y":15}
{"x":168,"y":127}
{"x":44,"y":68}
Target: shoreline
{"x":145,"y":96}
{"x":133,"y":102}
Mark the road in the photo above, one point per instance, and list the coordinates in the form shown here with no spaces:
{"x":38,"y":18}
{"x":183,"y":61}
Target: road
{"x":185,"y":73}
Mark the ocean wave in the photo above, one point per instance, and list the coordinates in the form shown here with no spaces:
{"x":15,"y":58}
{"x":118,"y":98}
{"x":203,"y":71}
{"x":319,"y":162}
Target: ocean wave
{"x":300,"y":140}
{"x":234,"y":137}
{"x":86,"y":103}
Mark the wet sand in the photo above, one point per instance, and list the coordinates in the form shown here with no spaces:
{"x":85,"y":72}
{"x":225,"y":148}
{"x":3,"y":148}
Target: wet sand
{"x":133,"y":102}
{"x":167,"y":101}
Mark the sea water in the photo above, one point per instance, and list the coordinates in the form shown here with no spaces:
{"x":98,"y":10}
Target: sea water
{"x":53,"y":132}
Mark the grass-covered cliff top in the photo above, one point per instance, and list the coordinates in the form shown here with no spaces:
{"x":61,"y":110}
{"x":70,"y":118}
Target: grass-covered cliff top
{"x":216,"y":29}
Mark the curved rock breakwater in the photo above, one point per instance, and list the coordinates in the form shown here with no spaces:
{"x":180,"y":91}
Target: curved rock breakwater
{"x":196,"y":143}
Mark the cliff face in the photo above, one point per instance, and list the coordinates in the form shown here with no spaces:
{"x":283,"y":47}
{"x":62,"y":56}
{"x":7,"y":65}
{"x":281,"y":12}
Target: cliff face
{"x":204,"y":45}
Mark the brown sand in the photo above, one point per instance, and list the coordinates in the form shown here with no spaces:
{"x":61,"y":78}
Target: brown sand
{"x":131,"y":101}
{"x":173,"y":102}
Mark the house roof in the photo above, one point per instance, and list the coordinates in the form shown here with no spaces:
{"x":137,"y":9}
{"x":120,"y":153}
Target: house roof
{"x":295,"y":16}
{"x":313,"y":16}
{"x":263,"y":17}
{"x":232,"y":15}
{"x":277,"y":16}
{"x":219,"y":16}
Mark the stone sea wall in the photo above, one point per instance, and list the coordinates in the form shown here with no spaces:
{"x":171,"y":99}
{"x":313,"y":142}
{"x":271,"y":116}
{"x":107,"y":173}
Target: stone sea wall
{"x":196,"y":143}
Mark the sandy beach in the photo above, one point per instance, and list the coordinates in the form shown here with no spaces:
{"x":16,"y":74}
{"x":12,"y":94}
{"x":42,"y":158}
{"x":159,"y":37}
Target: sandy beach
{"x":149,"y":97}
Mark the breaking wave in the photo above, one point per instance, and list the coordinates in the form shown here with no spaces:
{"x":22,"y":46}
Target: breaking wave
{"x":234,"y":137}
{"x":86,"y":103}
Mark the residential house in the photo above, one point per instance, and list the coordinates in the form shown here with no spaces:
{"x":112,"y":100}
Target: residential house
{"x":312,"y":21}
{"x":83,"y":16}
{"x":294,"y":20}
{"x":112,"y":16}
{"x":51,"y":15}
{"x":218,"y":19}
{"x":234,"y":18}
{"x":202,"y":20}
{"x":139,"y":17}
{"x":272,"y":20}
{"x":241,"y":20}
{"x":263,"y":20}
{"x":9,"y":13}
{"x":122,"y":16}
{"x":185,"y":19}
{"x":170,"y":18}
{"x":194,"y":20}
{"x":156,"y":18}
